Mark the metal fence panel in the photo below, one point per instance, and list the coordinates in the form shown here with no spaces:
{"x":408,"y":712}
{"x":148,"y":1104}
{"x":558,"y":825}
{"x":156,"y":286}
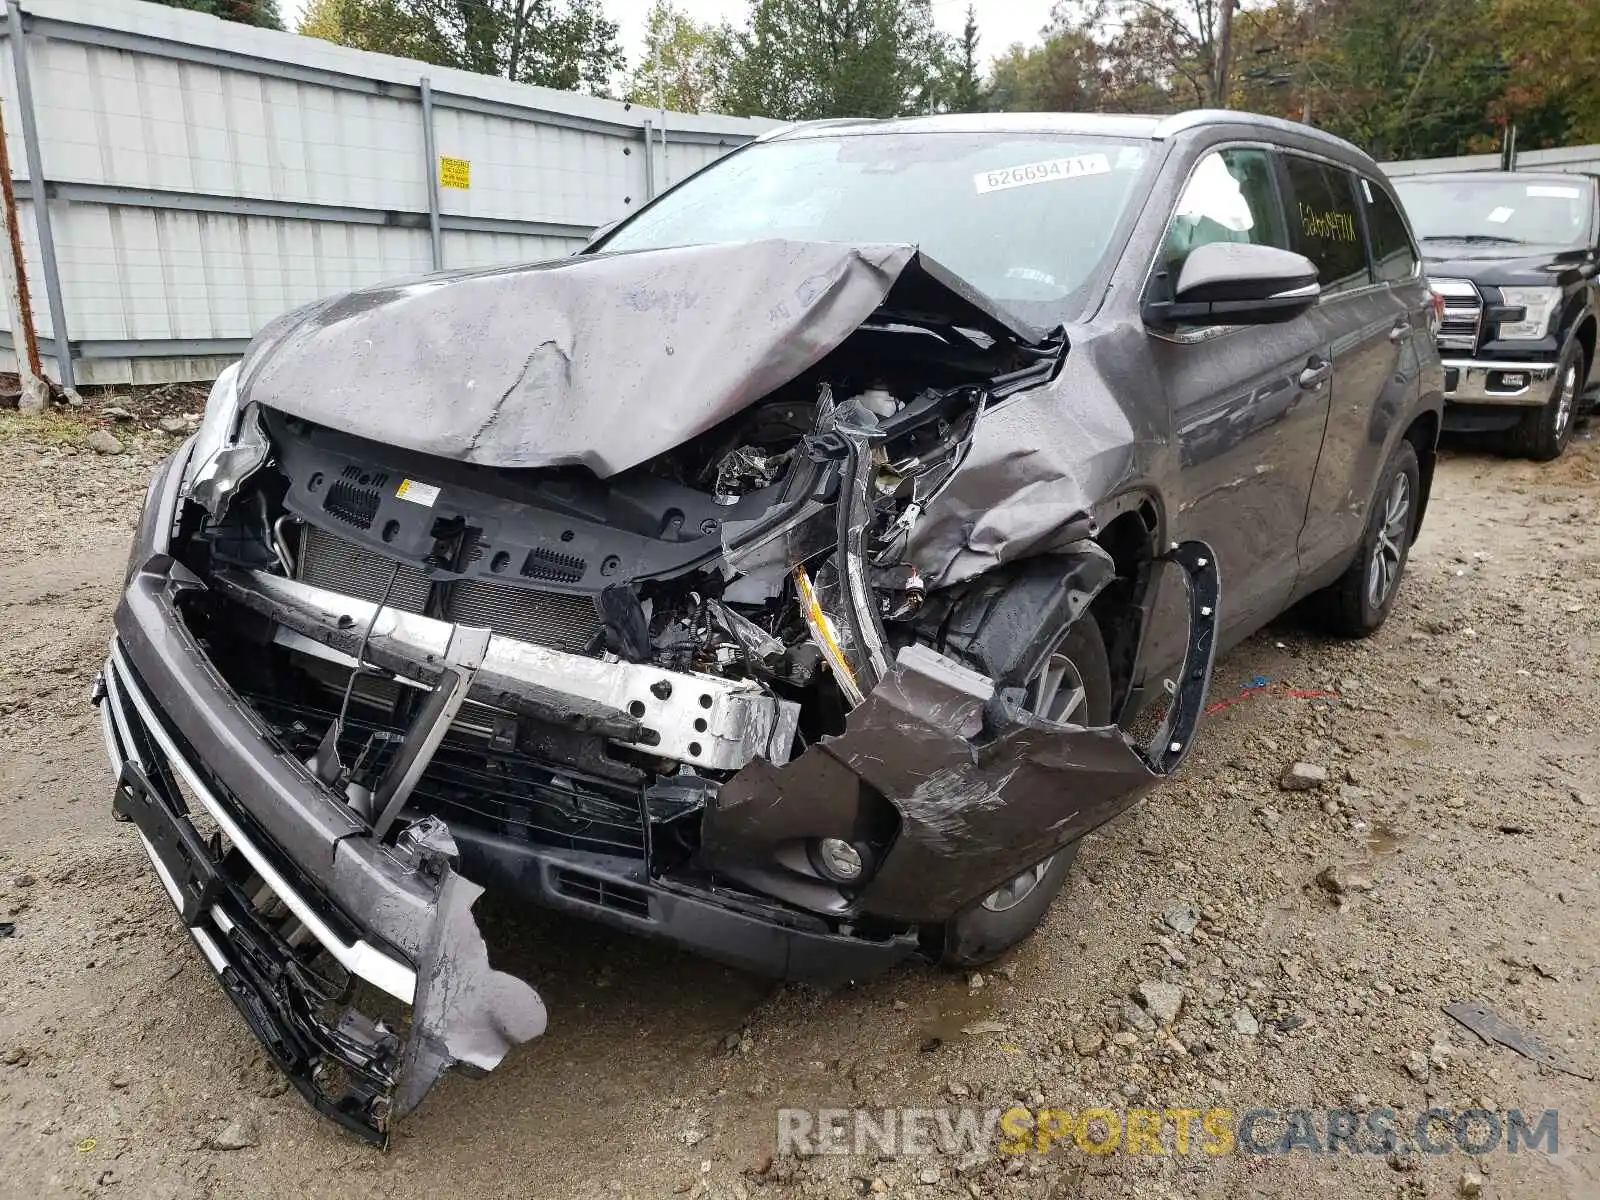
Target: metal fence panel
{"x":1567,"y":158}
{"x":204,"y":176}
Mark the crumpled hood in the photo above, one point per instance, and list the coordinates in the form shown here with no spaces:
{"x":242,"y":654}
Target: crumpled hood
{"x":602,"y":360}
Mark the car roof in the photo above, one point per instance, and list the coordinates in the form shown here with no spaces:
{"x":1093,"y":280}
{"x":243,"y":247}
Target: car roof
{"x":1103,"y":124}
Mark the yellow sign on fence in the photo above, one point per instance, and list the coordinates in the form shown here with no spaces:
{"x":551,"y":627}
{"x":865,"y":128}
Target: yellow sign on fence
{"x":455,"y":172}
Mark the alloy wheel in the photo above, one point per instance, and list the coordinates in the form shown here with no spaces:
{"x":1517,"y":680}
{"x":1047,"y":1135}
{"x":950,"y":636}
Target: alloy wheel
{"x":1566,"y":399}
{"x":1057,"y":691}
{"x":1009,"y":895}
{"x":1055,"y":694}
{"x":1383,"y":570}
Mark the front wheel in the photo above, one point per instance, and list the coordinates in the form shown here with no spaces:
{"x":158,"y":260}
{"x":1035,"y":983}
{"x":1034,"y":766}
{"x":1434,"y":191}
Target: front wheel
{"x":1544,"y":433}
{"x":1072,"y":685}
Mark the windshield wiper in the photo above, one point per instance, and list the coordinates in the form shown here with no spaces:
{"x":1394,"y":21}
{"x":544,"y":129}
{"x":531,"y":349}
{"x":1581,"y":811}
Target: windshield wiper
{"x":1474,"y":237}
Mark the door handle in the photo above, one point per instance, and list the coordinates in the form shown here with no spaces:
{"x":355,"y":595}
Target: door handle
{"x":1400,"y":332}
{"x":1316,"y":373}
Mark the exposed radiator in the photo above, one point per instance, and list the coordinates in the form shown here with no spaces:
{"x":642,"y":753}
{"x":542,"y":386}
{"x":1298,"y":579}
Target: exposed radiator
{"x":340,"y":566}
{"x":552,"y":619}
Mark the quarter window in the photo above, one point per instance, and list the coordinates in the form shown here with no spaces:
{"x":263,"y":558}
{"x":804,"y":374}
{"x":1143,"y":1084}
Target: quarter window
{"x":1393,"y":256}
{"x":1231,"y":197}
{"x":1326,"y":223}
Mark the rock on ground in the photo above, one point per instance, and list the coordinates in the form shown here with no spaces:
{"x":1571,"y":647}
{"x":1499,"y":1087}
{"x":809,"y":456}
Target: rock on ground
{"x":1161,"y":1000}
{"x":1303,"y":777}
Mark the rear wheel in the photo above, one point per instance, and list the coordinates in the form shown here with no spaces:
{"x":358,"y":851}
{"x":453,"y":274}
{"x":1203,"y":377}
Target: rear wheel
{"x":1544,"y":433}
{"x":1358,"y":602}
{"x":1073,"y":684}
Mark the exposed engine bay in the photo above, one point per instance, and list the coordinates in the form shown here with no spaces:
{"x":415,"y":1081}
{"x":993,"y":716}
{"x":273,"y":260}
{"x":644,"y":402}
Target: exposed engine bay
{"x":711,"y":694}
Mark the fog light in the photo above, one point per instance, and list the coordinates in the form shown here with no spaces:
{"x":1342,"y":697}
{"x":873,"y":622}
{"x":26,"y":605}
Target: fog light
{"x":1513,"y":380}
{"x":839,"y":860}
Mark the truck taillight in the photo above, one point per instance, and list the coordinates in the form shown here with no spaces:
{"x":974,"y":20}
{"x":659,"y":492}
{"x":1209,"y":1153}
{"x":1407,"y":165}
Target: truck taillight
{"x":1438,"y":314}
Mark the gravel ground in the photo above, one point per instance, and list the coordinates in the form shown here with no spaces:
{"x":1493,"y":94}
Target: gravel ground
{"x":1460,"y":815}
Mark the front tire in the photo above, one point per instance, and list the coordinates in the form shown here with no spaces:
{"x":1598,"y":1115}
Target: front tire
{"x":994,"y":923}
{"x":1544,"y":433}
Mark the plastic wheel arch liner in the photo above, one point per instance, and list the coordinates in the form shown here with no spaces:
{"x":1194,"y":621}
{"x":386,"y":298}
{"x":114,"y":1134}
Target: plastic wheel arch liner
{"x":983,"y":789}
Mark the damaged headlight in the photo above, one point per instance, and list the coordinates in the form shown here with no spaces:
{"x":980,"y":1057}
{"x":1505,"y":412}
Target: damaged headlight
{"x":229,"y":447}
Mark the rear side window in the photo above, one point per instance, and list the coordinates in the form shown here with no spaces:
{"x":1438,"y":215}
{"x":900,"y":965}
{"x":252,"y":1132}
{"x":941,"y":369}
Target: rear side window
{"x":1232,"y":196}
{"x":1326,"y":223}
{"x":1393,"y":256}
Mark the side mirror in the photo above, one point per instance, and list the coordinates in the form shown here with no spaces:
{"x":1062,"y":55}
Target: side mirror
{"x":1234,"y":283}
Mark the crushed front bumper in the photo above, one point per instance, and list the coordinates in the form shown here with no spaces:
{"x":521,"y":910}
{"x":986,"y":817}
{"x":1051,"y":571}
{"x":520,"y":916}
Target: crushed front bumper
{"x":298,"y":910}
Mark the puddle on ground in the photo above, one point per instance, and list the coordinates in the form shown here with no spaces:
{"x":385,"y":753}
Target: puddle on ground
{"x":1384,"y":839}
{"x":957,"y":1008}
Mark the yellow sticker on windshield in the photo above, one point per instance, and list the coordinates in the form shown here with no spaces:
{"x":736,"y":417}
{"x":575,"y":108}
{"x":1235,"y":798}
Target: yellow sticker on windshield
{"x":1048,"y":171}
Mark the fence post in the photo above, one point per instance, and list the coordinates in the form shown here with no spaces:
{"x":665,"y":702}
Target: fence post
{"x":649,"y":159}
{"x":39,"y":192}
{"x":429,"y":149}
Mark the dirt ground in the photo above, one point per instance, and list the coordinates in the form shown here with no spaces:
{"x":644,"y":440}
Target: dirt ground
{"x":1464,"y":785}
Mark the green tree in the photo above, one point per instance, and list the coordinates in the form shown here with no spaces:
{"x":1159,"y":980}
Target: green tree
{"x":685,"y":63}
{"x":964,"y":89}
{"x":1552,"y":48}
{"x":246,"y":12}
{"x":1061,"y":74}
{"x":378,"y":25}
{"x":567,"y":44}
{"x":1405,"y":78}
{"x":810,"y":59}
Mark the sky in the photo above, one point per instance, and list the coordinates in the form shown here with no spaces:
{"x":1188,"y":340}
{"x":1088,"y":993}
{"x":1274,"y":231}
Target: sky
{"x":1000,"y":22}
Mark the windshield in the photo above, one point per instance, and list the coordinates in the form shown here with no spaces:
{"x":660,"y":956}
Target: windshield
{"x":1024,"y":218}
{"x":1513,"y":212}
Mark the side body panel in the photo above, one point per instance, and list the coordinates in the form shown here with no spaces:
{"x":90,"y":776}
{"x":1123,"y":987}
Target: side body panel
{"x":1381,"y":342}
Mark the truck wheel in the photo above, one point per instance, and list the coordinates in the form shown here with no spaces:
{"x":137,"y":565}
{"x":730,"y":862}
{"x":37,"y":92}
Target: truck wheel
{"x":993,"y":924}
{"x":1543,"y":434}
{"x":1358,"y":602}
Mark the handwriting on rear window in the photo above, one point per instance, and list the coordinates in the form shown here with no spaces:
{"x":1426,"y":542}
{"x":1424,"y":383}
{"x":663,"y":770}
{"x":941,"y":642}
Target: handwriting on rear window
{"x":1049,"y":171}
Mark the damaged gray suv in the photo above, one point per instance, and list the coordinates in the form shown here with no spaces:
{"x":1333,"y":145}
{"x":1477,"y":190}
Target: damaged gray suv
{"x":797,"y":574}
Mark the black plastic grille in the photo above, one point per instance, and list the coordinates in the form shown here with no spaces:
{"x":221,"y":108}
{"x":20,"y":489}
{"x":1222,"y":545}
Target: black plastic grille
{"x":352,"y":504}
{"x":552,"y":566}
{"x":507,"y":793}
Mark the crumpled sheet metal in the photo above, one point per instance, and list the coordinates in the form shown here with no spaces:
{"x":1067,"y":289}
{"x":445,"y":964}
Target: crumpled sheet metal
{"x":984,"y":790}
{"x":1040,"y":463}
{"x":602,"y":361}
{"x":973,"y":814}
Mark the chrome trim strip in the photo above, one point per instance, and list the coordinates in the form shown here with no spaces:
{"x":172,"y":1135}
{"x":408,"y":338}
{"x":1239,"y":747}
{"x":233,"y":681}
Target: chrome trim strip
{"x":120,"y":717}
{"x":1472,"y":383}
{"x":359,"y":958}
{"x":208,"y":947}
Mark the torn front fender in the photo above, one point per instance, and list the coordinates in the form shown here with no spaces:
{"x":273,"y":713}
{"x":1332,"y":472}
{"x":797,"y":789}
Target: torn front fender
{"x":983,"y":789}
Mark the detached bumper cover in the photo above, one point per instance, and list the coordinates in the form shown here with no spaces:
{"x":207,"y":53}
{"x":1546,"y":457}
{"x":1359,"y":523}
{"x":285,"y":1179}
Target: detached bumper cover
{"x":287,"y":865}
{"x":984,"y":790}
